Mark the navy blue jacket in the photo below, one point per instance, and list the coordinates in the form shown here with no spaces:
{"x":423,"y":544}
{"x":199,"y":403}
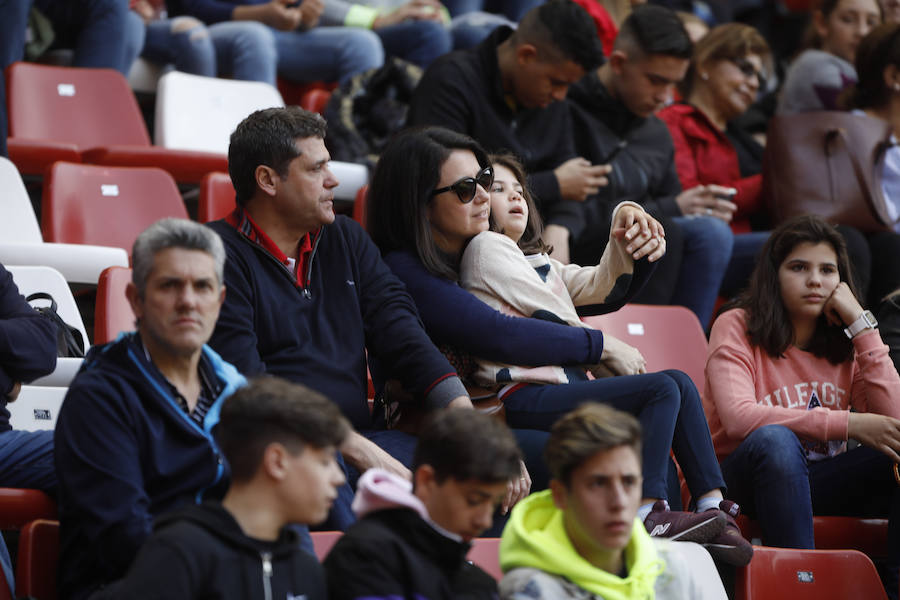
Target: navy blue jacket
{"x":126,"y":452}
{"x":456,"y":318}
{"x":318,"y":335}
{"x":27,"y":342}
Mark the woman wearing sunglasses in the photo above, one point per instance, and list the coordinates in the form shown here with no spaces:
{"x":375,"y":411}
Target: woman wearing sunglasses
{"x":726,"y":73}
{"x":428,"y":198}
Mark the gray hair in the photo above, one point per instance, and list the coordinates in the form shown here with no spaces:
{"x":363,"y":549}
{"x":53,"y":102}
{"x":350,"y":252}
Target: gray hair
{"x":173,"y":233}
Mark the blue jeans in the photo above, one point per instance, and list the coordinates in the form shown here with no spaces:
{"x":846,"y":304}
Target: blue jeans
{"x":402,"y":446}
{"x":744,"y":255}
{"x":327,"y":53}
{"x":243,"y":49}
{"x":768,"y":475}
{"x":708,"y":243}
{"x":470,"y":29}
{"x":513,"y":10}
{"x":419,"y":42}
{"x":667,"y":405}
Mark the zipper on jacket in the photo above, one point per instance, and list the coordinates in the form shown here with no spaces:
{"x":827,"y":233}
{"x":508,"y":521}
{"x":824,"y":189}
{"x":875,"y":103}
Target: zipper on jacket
{"x":267,"y":574}
{"x":304,"y":291}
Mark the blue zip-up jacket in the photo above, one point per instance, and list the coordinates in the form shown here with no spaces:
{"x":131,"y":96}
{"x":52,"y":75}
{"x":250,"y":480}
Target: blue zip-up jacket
{"x":126,"y":452}
{"x":317,"y":333}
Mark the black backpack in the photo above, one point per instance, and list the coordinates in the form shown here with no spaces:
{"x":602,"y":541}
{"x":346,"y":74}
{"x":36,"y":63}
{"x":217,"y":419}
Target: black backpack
{"x":69,"y":342}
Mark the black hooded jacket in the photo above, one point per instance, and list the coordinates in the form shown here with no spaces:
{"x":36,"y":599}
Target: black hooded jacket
{"x":202,"y":553}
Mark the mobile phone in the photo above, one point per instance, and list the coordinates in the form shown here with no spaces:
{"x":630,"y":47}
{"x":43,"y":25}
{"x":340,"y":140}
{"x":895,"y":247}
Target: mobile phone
{"x":728,"y":195}
{"x":613,"y":153}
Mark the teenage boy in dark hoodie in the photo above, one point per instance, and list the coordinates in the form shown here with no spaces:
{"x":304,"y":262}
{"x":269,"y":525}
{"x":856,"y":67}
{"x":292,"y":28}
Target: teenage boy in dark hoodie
{"x":280,"y":440}
{"x":411,"y":540}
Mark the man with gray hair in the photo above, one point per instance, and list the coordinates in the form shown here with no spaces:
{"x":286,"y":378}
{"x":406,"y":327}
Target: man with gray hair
{"x":133,"y":439}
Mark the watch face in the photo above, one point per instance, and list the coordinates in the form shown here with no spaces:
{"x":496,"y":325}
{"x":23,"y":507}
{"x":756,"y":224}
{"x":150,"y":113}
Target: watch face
{"x":870,"y":319}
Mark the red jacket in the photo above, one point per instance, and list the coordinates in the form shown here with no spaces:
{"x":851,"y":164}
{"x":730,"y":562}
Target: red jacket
{"x":703,"y":155}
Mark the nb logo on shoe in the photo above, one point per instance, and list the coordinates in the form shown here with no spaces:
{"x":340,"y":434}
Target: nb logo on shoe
{"x":660,"y":530}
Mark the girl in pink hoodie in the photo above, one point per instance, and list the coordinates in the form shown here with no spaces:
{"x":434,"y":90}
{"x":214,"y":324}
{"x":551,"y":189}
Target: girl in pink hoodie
{"x":787,"y":360}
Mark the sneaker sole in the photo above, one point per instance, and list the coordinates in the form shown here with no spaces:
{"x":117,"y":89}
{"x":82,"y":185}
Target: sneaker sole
{"x":703,"y":532}
{"x":738,"y":556}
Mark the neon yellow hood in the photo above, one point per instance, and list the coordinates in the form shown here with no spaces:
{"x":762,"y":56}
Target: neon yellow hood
{"x":535,"y":537}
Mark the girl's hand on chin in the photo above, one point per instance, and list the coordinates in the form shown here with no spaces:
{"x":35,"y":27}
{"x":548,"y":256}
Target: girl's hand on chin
{"x":842,"y":308}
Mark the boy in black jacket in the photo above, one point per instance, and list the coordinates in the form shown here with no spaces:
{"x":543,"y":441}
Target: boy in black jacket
{"x":280,"y":440}
{"x":411,"y":540}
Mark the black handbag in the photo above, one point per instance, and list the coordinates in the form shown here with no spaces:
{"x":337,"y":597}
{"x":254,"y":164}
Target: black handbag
{"x":69,"y":342}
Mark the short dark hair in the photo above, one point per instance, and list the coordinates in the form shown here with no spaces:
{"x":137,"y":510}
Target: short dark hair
{"x":402,"y":187}
{"x":268,"y":137}
{"x":530,"y":242}
{"x":768,"y":324}
{"x":467,"y":445}
{"x":272,"y":410}
{"x":563,"y":30}
{"x":587,"y":430}
{"x":878,"y":50}
{"x":653,"y":29}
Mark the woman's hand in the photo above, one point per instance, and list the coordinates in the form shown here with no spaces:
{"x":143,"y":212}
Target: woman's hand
{"x":841,"y":307}
{"x":640,"y":234}
{"x":876,"y":431}
{"x":621,"y":358}
{"x":708,"y":200}
{"x":517,"y":489}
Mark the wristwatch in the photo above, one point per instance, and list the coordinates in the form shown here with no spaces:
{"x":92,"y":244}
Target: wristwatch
{"x":867,"y":319}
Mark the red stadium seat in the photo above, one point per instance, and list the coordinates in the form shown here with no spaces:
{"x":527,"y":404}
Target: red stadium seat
{"x":20,"y":506}
{"x":216,"y":197}
{"x":485,"y":553}
{"x":324,"y":541}
{"x":315,"y":100}
{"x":87,"y":115}
{"x":669,"y":337}
{"x":37,"y":560}
{"x":808,"y":575}
{"x":869,"y":536}
{"x":112,"y":313}
{"x":106,"y":206}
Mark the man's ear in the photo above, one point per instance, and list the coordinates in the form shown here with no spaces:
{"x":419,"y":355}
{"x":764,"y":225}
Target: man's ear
{"x":266,"y":180}
{"x":617,"y":61}
{"x":560,"y":494}
{"x":526,"y":54}
{"x":134,"y":299}
{"x":424,"y":482}
{"x":275,"y":461}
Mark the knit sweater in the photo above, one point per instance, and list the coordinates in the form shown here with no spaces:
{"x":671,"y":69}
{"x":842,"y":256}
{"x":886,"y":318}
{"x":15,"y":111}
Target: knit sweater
{"x":540,"y":562}
{"x":814,"y":81}
{"x":495,"y":270}
{"x":746,"y":388}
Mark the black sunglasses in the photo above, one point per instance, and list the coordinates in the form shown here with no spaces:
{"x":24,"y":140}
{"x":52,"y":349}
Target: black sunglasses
{"x":465,"y":187}
{"x":746,"y":67}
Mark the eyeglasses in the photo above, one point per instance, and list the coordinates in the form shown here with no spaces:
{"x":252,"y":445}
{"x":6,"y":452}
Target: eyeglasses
{"x":465,"y":188}
{"x":746,"y":67}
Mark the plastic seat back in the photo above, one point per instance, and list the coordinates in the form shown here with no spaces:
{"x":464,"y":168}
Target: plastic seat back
{"x":45,"y":279}
{"x":200,"y":113}
{"x":324,"y":541}
{"x":360,"y":214}
{"x":669,"y":337}
{"x":19,"y":223}
{"x":808,"y":575}
{"x":86,"y":107}
{"x":106,"y":206}
{"x":36,"y":408}
{"x":37,"y":561}
{"x":485,"y":553}
{"x":112,"y":313}
{"x":216,"y":197}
